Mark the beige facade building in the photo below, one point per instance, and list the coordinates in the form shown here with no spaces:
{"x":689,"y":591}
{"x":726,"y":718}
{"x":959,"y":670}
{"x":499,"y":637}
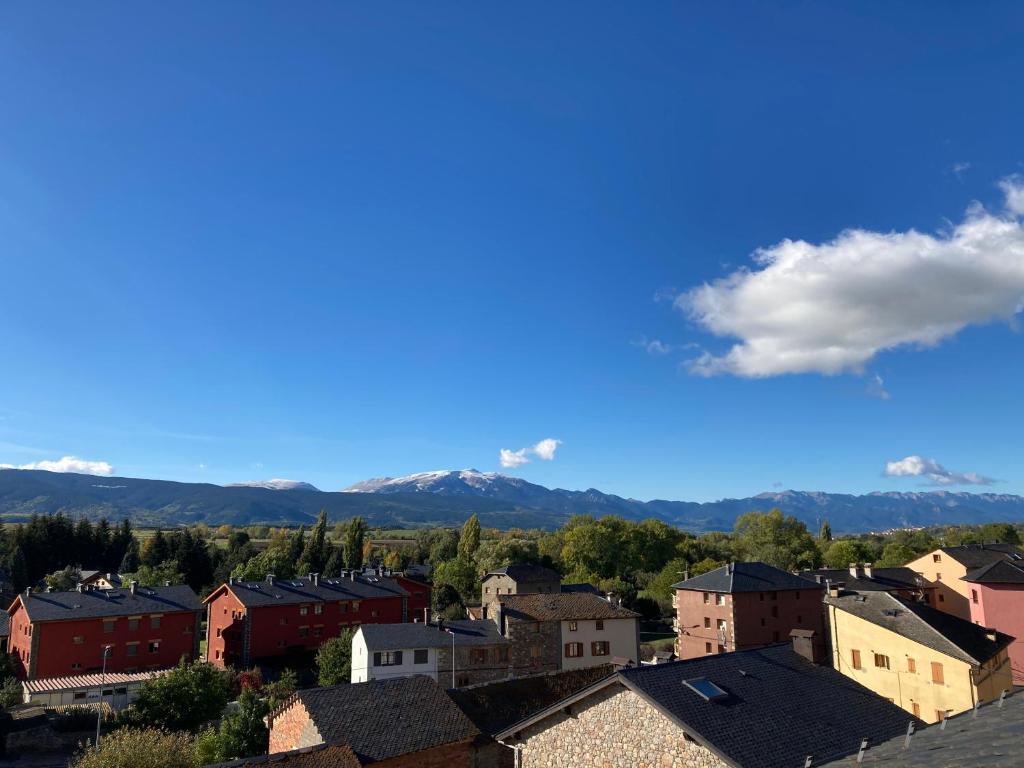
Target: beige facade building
{"x":947,"y":566}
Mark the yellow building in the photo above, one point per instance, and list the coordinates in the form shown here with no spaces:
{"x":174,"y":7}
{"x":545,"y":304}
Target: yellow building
{"x":926,"y":661}
{"x":947,"y":567}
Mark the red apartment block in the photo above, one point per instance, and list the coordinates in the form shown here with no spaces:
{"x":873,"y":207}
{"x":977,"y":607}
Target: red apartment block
{"x":250,"y":621}
{"x":997,"y":602}
{"x":58,"y":634}
{"x":741,"y":606}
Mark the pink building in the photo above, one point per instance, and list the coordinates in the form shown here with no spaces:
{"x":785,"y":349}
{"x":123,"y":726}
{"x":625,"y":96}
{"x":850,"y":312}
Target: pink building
{"x":997,"y":601}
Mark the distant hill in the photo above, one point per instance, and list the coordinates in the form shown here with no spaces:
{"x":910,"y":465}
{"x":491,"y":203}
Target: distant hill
{"x":277,"y":484}
{"x":448,"y":497}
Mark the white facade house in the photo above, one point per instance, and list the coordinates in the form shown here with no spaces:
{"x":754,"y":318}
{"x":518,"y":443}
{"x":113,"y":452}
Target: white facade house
{"x":588,"y":642}
{"x":383,"y":651}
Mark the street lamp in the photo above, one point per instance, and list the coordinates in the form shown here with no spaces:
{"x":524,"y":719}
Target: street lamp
{"x":449,"y":631}
{"x":103,"y":681}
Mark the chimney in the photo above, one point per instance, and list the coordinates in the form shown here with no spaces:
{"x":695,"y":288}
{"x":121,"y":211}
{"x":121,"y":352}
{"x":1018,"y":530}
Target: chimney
{"x":79,"y":587}
{"x":499,"y":610}
{"x":167,"y":582}
{"x":270,"y":578}
{"x":110,"y":578}
{"x":867,"y":570}
{"x":818,"y":578}
{"x":990,"y":635}
{"x":380,"y":571}
{"x":804,"y":644}
{"x":231,"y":581}
{"x":856,"y":571}
{"x":133,"y":586}
{"x":610,"y":597}
{"x":730,"y":568}
{"x":835,"y":588}
{"x":483,"y":612}
{"x":28,"y":590}
{"x":314,"y":579}
{"x":352,"y":574}
{"x":426,"y":615}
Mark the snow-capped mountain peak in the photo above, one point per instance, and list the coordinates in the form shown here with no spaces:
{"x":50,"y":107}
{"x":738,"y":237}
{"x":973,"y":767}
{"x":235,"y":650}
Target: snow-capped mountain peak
{"x":470,"y":481}
{"x":276,"y":484}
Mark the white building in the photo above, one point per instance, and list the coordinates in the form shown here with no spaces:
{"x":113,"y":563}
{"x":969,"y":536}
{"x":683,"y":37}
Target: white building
{"x":382,"y":651}
{"x":115,"y":689}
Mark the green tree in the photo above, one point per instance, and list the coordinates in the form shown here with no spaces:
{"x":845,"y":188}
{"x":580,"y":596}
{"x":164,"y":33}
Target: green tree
{"x":775,"y":539}
{"x":460,"y":575}
{"x":156,"y":550}
{"x":64,"y":579}
{"x":279,"y":690}
{"x":243,"y":733}
{"x":841,"y":552}
{"x":190,"y":695}
{"x":469,"y":539}
{"x":131,"y":560}
{"x":999,"y":533}
{"x":825,"y":532}
{"x":155,"y":576}
{"x":141,"y":748}
{"x":660,"y":587}
{"x":317,"y":549}
{"x":334,"y":659}
{"x":296,"y":546}
{"x":895,"y":554}
{"x":355,"y":533}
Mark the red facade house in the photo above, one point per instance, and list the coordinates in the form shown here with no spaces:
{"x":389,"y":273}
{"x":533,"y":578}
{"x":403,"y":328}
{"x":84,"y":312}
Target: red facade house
{"x":58,"y":634}
{"x":250,"y":621}
{"x":741,"y":606}
{"x":997,"y":601}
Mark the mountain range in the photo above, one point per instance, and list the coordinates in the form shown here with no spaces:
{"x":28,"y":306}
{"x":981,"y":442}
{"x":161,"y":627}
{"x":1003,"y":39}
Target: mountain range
{"x":448,"y":497}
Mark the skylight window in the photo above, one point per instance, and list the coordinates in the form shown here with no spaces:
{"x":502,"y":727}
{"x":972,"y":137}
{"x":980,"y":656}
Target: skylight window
{"x":705,"y":689}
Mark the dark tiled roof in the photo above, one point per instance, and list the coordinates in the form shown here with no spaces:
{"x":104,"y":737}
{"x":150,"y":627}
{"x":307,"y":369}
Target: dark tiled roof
{"x":928,"y":626}
{"x":320,"y":756}
{"x":881,"y":579}
{"x":285,"y":591}
{"x":999,"y":572}
{"x":381,"y":719}
{"x":562,"y":606}
{"x":495,"y":706}
{"x":993,"y":739}
{"x":746,"y":577}
{"x":977,"y":555}
{"x":96,"y":603}
{"x":5,"y":624}
{"x":779,"y":708}
{"x":395,"y":637}
{"x":526,"y":572}
{"x":581,"y":588}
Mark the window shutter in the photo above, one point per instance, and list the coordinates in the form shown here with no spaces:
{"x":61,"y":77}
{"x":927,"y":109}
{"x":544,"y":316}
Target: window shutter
{"x":398,"y":658}
{"x":376,"y":658}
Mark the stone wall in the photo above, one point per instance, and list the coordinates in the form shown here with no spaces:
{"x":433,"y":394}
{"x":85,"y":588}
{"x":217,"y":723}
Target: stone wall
{"x":613,"y":728}
{"x":293,"y":728}
{"x":536,"y":645}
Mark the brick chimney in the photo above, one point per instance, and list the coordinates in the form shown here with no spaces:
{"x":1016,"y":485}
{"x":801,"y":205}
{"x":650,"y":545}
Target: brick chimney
{"x":867,"y":570}
{"x":270,"y":578}
{"x":856,"y":571}
{"x":835,"y":588}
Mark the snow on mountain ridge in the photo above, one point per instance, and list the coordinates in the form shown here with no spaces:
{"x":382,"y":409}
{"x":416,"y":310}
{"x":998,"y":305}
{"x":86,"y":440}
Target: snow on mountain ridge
{"x":275,"y":484}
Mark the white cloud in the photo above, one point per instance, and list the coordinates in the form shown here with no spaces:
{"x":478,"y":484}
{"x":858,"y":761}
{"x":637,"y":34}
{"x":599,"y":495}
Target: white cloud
{"x":830,"y":308}
{"x":544,"y":450}
{"x":68,"y":464}
{"x":936,"y":474}
{"x":959,"y":168}
{"x":652,"y":346}
{"x":876,"y":388}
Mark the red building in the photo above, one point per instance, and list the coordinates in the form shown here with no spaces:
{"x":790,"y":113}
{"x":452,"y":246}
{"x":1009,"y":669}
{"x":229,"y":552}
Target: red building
{"x":997,"y":602}
{"x":250,"y":621}
{"x":58,"y":634}
{"x":741,"y":606}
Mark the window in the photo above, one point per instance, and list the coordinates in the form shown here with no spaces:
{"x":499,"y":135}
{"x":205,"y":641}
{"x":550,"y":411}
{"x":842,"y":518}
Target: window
{"x":572,"y":626}
{"x":721,"y":648}
{"x":187,"y":630}
{"x":387,"y":658}
{"x":799,"y":619}
{"x":534,"y":651}
{"x":487,"y":590}
{"x":78,"y":640}
{"x":154,"y":646}
{"x":881,"y":661}
{"x":940,"y":714}
{"x":303,"y":631}
{"x":501,"y":654}
{"x":218,"y":654}
{"x":760,"y":596}
{"x":154,"y":622}
{"x":942,"y":598}
{"x":797,"y":593}
{"x":707,"y":647}
{"x":974,"y":596}
{"x":599,"y":624}
{"x":419,"y":656}
{"x":855,"y":659}
{"x":303,"y":610}
{"x":911,"y":665}
{"x":76,"y":666}
{"x":318,"y":609}
{"x":721,"y":625}
{"x":133,"y":623}
{"x":936,"y":558}
{"x":775,"y":635}
{"x":775,"y":595}
{"x":132,"y":649}
{"x":938,"y":577}
{"x":707,"y":598}
{"x":478,"y":656}
{"x":108,"y":625}
{"x":915,"y":708}
{"x":599,"y":648}
{"x":719,"y":599}
{"x":373,"y":614}
{"x":218,"y":631}
{"x":938,"y":676}
{"x":707,"y":622}
{"x":318,"y":630}
{"x":762,"y":621}
{"x":343,"y":607}
{"x":775,"y":611}
{"x":355,"y":606}
{"x":79,"y":695}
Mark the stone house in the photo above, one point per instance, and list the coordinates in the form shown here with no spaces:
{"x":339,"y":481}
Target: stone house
{"x":765,"y":708}
{"x":566,"y":630}
{"x":481,"y":654}
{"x":518,"y":580}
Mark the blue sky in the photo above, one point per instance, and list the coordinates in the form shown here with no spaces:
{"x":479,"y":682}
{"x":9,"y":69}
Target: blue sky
{"x":246,"y":240}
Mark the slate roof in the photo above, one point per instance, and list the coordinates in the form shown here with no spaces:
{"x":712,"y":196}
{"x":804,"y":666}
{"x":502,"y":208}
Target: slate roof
{"x":381,"y":719}
{"x":495,"y":706}
{"x":999,"y":572}
{"x":778,"y":709}
{"x":562,"y":606}
{"x":320,"y":756}
{"x":526,"y":572}
{"x":302,"y":590}
{"x":881,"y":579}
{"x":5,"y":624}
{"x":993,"y":739}
{"x":396,"y":637}
{"x":977,"y":555}
{"x":923,"y":624}
{"x":746,"y":577}
{"x":98,"y":603}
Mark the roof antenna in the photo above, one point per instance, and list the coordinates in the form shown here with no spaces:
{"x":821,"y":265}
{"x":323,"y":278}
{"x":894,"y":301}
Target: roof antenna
{"x":807,"y":761}
{"x":910,"y":733}
{"x":863,"y":749}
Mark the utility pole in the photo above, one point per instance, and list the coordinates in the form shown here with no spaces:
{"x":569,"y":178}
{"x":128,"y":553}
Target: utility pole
{"x":103,"y":681}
